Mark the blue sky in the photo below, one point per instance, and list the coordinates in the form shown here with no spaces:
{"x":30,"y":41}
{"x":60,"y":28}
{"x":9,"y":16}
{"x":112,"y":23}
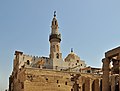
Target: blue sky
{"x":90,"y":27}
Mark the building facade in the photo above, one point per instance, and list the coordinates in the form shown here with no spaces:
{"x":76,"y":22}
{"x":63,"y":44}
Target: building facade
{"x":28,"y":68}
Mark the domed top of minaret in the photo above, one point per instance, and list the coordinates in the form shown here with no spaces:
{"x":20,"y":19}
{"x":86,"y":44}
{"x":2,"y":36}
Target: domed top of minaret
{"x":54,"y":21}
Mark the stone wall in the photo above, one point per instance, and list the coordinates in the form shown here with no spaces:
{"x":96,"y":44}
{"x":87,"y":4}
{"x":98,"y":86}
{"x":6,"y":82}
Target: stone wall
{"x":35,"y":79}
{"x":46,"y":80}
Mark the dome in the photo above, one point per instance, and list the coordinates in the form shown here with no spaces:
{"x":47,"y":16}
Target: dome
{"x":72,"y":57}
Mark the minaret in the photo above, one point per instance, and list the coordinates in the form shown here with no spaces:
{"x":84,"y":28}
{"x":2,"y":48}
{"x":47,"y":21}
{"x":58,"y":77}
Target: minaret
{"x":55,"y":39}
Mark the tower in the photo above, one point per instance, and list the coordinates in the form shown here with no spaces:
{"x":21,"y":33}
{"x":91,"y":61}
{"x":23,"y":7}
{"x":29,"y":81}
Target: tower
{"x":55,"y":39}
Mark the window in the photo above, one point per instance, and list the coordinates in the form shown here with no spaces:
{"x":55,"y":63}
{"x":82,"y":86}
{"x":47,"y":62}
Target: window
{"x":57,"y":81}
{"x":81,"y":64}
{"x":65,"y":83}
{"x":57,"y":56}
{"x":55,"y":22}
{"x":77,"y":61}
{"x":46,"y":79}
{"x":88,"y":71}
{"x":28,"y":62}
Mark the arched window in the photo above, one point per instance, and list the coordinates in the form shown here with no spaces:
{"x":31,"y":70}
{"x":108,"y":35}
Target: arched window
{"x":65,"y":83}
{"x":28,"y":62}
{"x":77,"y":61}
{"x":55,"y":22}
{"x":57,"y":56}
{"x":57,"y":81}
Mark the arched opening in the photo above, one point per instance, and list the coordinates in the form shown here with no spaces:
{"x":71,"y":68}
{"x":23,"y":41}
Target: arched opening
{"x":93,"y":86}
{"x":65,"y":83}
{"x":83,"y":87}
{"x":55,"y":22}
{"x":57,"y":81}
{"x":57,"y":56}
{"x":28,"y":62}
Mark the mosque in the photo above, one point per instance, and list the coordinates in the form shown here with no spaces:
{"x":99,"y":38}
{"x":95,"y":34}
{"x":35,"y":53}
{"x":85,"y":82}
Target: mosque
{"x":54,"y":61}
{"x":31,"y":72}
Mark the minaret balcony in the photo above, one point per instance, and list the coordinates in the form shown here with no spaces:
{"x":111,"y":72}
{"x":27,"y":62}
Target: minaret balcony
{"x":55,"y":36}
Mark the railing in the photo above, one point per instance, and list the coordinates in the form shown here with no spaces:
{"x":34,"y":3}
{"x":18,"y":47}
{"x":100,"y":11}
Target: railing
{"x":55,"y":36}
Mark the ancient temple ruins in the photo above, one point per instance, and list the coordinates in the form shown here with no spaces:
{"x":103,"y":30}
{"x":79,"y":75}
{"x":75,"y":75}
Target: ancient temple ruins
{"x":111,"y":70}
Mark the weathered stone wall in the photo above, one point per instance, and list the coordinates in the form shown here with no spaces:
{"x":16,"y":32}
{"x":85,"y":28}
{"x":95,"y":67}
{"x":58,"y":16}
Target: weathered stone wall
{"x":47,"y":80}
{"x":35,"y":79}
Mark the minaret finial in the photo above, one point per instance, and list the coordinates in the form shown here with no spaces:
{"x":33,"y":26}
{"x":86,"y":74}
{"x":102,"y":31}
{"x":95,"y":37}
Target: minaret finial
{"x":54,"y":13}
{"x":71,"y":49}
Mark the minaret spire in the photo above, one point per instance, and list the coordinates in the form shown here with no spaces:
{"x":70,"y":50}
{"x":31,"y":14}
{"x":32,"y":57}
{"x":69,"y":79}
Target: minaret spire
{"x":71,"y":49}
{"x":54,"y":26}
{"x":55,"y":39}
{"x":54,"y":13}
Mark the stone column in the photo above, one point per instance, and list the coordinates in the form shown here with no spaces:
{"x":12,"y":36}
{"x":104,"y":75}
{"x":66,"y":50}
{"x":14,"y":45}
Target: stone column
{"x":113,"y":83}
{"x":87,"y":84}
{"x":97,"y":85}
{"x":105,"y":81}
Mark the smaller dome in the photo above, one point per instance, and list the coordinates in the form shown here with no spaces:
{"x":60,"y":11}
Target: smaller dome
{"x":72,"y":56}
